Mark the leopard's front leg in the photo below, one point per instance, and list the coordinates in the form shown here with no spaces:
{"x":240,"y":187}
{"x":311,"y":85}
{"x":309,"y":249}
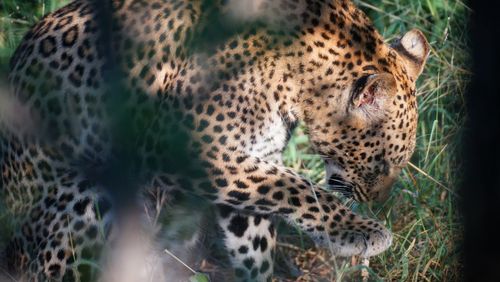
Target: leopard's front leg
{"x":250,"y":184}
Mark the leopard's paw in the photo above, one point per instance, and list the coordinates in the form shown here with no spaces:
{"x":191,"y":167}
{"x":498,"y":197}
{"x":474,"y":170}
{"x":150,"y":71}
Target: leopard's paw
{"x":363,"y":238}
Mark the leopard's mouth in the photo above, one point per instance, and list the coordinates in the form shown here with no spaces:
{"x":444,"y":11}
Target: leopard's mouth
{"x":338,"y":184}
{"x":335,"y":181}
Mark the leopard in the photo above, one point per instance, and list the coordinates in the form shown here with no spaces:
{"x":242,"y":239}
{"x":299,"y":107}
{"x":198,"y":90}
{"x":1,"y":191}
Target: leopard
{"x":116,"y":101}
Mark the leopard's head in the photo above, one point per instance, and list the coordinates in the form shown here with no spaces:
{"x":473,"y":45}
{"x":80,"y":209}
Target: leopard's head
{"x":364,"y":122}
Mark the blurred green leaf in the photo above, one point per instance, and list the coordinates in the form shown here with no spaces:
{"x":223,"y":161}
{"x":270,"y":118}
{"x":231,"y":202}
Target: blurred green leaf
{"x":199,"y":277}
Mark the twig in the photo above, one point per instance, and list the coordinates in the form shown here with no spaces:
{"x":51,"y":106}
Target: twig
{"x":7,"y":274}
{"x":11,"y":20}
{"x":364,"y":272}
{"x":180,"y":261}
{"x":288,"y":246}
{"x":433,"y":180}
{"x":365,"y":275}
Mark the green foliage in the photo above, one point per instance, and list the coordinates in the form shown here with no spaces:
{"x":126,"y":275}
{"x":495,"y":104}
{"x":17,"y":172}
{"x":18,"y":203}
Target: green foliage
{"x":199,"y":277}
{"x":16,"y":17}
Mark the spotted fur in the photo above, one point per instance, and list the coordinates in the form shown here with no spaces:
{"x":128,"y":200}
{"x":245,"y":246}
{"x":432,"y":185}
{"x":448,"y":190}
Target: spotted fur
{"x":200,"y":100}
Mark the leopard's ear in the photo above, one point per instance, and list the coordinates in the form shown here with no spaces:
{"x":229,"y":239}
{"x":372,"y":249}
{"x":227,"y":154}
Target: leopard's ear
{"x":414,"y":49}
{"x":371,"y":94}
